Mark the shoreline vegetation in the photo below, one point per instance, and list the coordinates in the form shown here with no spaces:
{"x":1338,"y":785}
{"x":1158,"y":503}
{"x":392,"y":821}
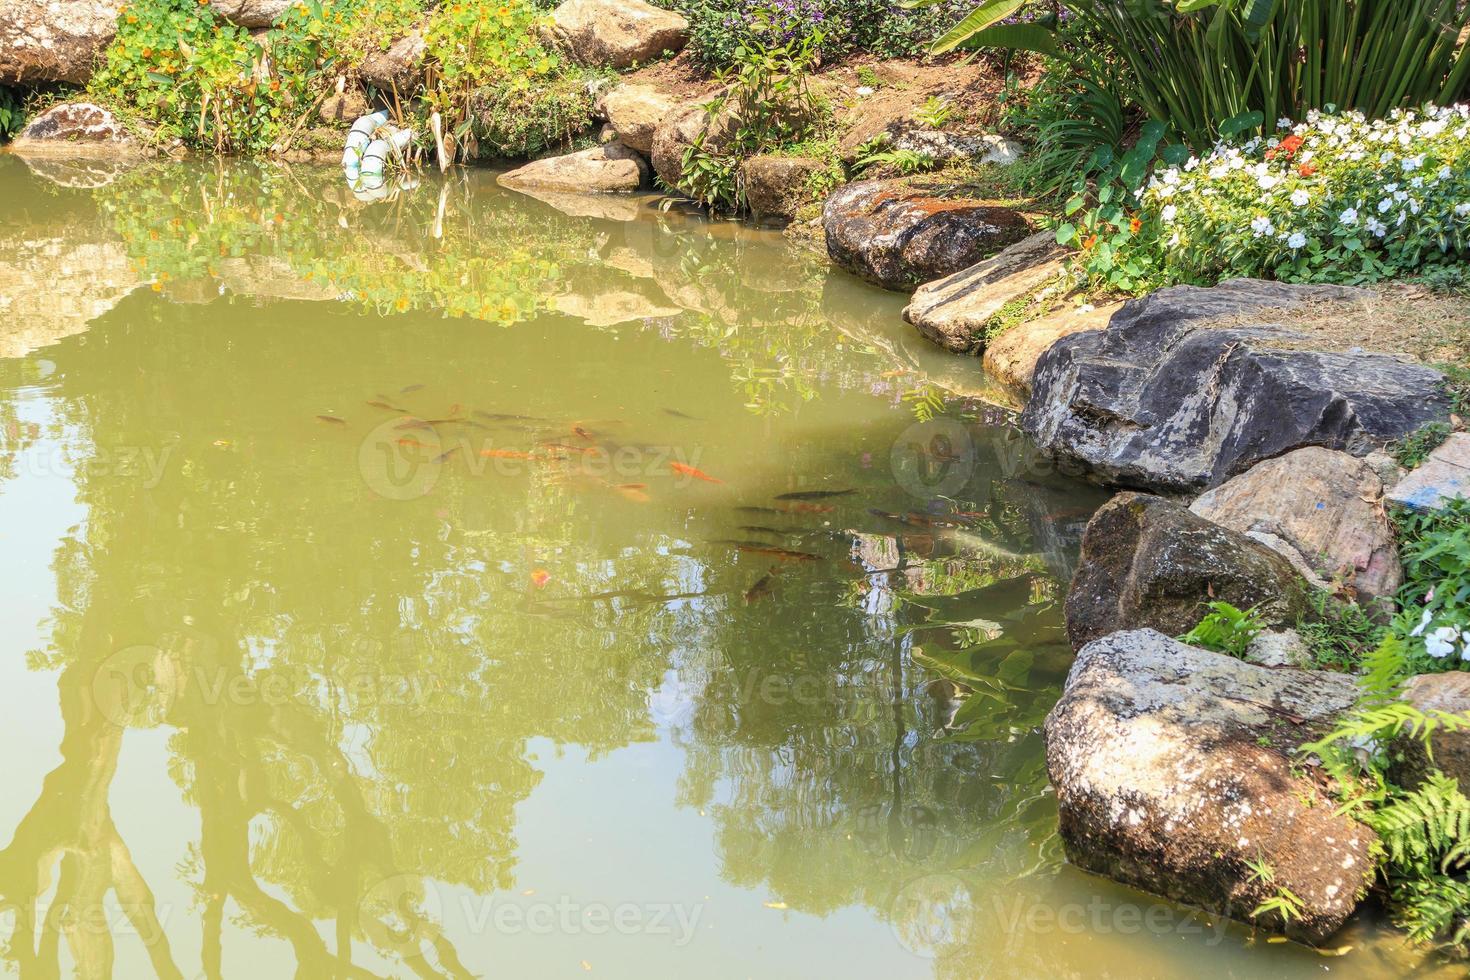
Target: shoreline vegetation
{"x":1218,"y":249}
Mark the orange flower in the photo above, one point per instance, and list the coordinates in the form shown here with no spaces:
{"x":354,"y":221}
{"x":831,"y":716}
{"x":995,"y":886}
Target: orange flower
{"x":1136,"y":225}
{"x":1089,"y":242}
{"x":1307,"y":169}
{"x":1291,"y":144}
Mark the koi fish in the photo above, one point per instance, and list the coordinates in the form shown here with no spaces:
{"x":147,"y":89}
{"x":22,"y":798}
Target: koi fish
{"x":410,"y":389}
{"x":540,"y":577}
{"x":410,"y":443}
{"x":763,"y":587}
{"x":681,"y":415}
{"x":784,"y":554}
{"x":444,"y":456}
{"x":762,"y":529}
{"x":414,"y":424}
{"x":503,"y":417}
{"x":685,"y":470}
{"x":814,"y":494}
{"x":384,"y":405}
{"x":581,"y":433}
{"x":506,"y":454}
{"x":759,"y":510}
{"x":633,"y":492}
{"x":332,"y":420}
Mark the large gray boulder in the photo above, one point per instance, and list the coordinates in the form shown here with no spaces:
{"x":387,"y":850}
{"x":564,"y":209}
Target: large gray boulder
{"x":605,"y":169}
{"x":1149,"y":562}
{"x":956,"y":312}
{"x":1174,"y":773}
{"x":1321,"y":509}
{"x":616,"y":33}
{"x":897,"y":237}
{"x":43,"y":41}
{"x":1188,"y":387}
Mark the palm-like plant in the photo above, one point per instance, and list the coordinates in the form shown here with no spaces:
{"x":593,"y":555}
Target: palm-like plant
{"x":1196,"y":63}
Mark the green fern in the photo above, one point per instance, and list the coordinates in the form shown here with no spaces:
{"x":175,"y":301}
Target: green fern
{"x":1427,"y":827}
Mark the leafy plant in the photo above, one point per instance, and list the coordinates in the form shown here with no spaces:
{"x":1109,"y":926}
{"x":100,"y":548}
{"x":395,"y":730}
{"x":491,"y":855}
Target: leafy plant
{"x":1120,"y":250}
{"x":12,"y":112}
{"x":769,"y":104}
{"x":935,"y":112}
{"x":1415,"y":448}
{"x":1338,"y":633}
{"x":904,"y":161}
{"x":1226,"y":629}
{"x":1435,"y":623}
{"x":1194,"y":63}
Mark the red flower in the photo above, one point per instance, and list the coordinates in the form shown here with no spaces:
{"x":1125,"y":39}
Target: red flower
{"x":1307,"y":169}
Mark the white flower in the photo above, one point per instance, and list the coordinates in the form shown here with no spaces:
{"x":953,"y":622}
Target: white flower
{"x":1267,"y":181}
{"x":1300,"y":198}
{"x":1261,"y":225}
{"x":1283,"y":123}
{"x":1441,"y":643}
{"x":1296,"y":241}
{"x":1411,"y":163}
{"x":1445,"y":173}
{"x":1378,"y":228}
{"x":1385,"y":205}
{"x":1349,"y":217}
{"x":1462,"y":210}
{"x":1169,"y":213}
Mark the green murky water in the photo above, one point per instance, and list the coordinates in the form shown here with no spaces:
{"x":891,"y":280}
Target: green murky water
{"x":478,"y":680}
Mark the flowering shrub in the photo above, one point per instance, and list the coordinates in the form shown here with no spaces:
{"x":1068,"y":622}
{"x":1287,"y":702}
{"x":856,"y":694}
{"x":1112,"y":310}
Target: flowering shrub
{"x":1340,"y":198}
{"x":717,"y":28}
{"x":1436,"y":594}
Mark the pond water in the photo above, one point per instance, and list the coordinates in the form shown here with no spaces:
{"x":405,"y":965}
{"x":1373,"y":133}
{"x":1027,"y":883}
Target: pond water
{"x":417,"y":589}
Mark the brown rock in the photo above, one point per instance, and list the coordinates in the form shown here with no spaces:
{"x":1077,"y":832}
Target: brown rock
{"x":1320,"y":508}
{"x":634,"y":112}
{"x":1012,"y":356}
{"x":44,"y":41}
{"x":399,"y":69}
{"x":678,"y":130}
{"x":616,"y":33}
{"x":344,"y":109}
{"x":1148,"y":562}
{"x":75,"y":127}
{"x":252,"y":13}
{"x":956,"y":312}
{"x":1173,"y":771}
{"x":895,"y":236}
{"x":607,"y":168}
{"x":778,"y":187}
{"x":1435,"y":692}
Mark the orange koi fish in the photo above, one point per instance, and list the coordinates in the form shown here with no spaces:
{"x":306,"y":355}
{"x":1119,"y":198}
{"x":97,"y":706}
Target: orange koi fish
{"x":685,"y":470}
